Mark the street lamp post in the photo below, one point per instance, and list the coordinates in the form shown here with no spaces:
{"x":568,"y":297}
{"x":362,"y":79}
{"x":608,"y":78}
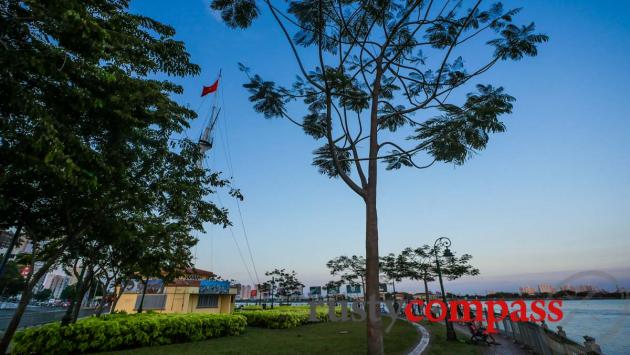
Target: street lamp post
{"x":444,"y":242}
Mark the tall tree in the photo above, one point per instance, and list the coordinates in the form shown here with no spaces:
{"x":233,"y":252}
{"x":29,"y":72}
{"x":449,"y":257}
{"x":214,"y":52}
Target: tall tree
{"x":286,"y":284}
{"x":351,"y":270}
{"x":384,"y":71}
{"x":454,"y":267}
{"x":393,"y":268}
{"x":418,"y":264}
{"x":85,"y":136}
{"x":332,"y":288}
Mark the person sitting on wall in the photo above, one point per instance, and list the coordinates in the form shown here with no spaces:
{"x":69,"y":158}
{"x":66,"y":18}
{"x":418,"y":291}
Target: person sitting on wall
{"x":481,"y":329}
{"x":561,"y":332}
{"x":544,"y":325}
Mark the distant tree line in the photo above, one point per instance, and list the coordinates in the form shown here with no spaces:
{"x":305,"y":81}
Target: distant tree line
{"x":416,"y":264}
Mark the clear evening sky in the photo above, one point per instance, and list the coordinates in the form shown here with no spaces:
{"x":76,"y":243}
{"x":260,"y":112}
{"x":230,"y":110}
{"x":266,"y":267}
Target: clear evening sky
{"x":552,"y":194}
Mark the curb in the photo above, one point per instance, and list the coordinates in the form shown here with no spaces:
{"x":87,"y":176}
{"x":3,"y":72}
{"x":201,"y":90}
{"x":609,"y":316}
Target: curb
{"x":424,"y":340}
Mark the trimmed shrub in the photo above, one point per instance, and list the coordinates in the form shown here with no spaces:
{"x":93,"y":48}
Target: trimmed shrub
{"x":252,"y":308}
{"x":284,"y":317}
{"x":275,"y":319}
{"x":120,"y":331}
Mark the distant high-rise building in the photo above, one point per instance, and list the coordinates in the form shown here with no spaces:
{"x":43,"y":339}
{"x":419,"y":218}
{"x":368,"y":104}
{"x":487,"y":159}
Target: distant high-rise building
{"x":239,"y":288}
{"x":58,"y":284}
{"x":246,"y":292}
{"x":585,"y":288}
{"x":527,"y":290}
{"x":546,"y":288}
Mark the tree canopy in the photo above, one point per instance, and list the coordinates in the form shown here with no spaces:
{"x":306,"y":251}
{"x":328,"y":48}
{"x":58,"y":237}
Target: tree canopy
{"x":90,"y":162}
{"x":377,"y":82}
{"x":350,"y":269}
{"x":285,"y":283}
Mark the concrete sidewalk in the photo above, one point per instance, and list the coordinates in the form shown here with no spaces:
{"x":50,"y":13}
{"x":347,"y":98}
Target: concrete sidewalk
{"x":505,"y":347}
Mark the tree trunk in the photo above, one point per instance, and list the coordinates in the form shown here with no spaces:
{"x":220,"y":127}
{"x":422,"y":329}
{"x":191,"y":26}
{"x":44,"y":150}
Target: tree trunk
{"x":87,"y":284}
{"x":24,"y":300}
{"x":101,"y":304}
{"x":374,"y":322}
{"x":123,"y":285}
{"x":7,"y":255}
{"x":426,"y":292}
{"x":144,"y":292}
{"x":78,"y":290}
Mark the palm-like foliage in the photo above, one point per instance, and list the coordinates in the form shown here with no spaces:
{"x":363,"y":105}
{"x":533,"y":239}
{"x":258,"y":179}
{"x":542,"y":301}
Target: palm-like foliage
{"x":382,"y":87}
{"x":372,"y":62}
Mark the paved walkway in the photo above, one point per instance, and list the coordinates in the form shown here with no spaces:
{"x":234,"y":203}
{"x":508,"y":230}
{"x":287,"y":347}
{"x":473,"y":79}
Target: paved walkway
{"x":505,"y":347}
{"x":424,"y":339}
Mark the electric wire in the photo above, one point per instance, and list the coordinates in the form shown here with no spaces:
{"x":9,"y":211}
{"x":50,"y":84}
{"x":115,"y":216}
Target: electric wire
{"x":223,"y":135}
{"x":227,"y":151}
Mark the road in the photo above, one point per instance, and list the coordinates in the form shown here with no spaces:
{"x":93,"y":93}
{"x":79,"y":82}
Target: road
{"x":37,"y":315}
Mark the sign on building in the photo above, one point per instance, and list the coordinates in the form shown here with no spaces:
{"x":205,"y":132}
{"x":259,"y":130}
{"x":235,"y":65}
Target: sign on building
{"x":136,"y":286}
{"x":350,"y":289}
{"x":212,"y":287}
{"x":154,"y":286}
{"x":315,"y":291}
{"x":332,"y":290}
{"x":133,"y":286}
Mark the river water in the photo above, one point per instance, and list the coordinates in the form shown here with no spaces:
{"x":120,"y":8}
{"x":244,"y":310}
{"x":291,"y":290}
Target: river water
{"x":608,"y":321}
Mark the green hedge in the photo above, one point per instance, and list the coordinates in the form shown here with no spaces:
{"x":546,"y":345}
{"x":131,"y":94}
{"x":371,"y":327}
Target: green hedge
{"x":120,"y":331}
{"x":283,"y":317}
{"x":251,"y":308}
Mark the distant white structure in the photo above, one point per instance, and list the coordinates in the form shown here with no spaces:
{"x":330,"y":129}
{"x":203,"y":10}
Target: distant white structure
{"x":585,"y":288}
{"x":246,"y":292}
{"x":546,"y":288}
{"x":527,"y":290}
{"x":56,"y":281}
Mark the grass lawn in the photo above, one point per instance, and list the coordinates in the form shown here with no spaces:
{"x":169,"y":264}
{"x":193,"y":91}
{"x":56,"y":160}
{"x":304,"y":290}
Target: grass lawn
{"x":439,"y":345}
{"x":319,"y":338}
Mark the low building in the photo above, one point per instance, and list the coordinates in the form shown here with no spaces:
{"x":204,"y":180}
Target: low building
{"x":194,"y":293}
{"x":526,"y":290}
{"x":422,"y":296}
{"x":246,"y":291}
{"x":546,"y":288}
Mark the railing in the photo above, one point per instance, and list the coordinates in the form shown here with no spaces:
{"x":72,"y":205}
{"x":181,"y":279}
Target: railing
{"x":543,"y":341}
{"x":539,"y":340}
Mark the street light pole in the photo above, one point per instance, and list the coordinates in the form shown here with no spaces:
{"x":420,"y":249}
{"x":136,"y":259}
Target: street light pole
{"x":444,"y":242}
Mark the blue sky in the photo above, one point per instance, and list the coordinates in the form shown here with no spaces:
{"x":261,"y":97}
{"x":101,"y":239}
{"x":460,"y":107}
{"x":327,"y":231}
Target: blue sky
{"x":552,"y":194}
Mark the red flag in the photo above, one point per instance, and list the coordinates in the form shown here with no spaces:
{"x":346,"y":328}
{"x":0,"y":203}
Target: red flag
{"x":210,"y":89}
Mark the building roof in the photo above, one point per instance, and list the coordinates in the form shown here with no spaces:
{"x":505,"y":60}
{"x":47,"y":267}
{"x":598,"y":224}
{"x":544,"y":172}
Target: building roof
{"x":200,"y":272}
{"x":184,"y":283}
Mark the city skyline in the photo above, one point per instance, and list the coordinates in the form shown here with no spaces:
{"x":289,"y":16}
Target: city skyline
{"x":551,"y":194}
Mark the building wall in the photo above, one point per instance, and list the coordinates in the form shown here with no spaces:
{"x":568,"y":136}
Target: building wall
{"x":180,"y":300}
{"x":126,"y":302}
